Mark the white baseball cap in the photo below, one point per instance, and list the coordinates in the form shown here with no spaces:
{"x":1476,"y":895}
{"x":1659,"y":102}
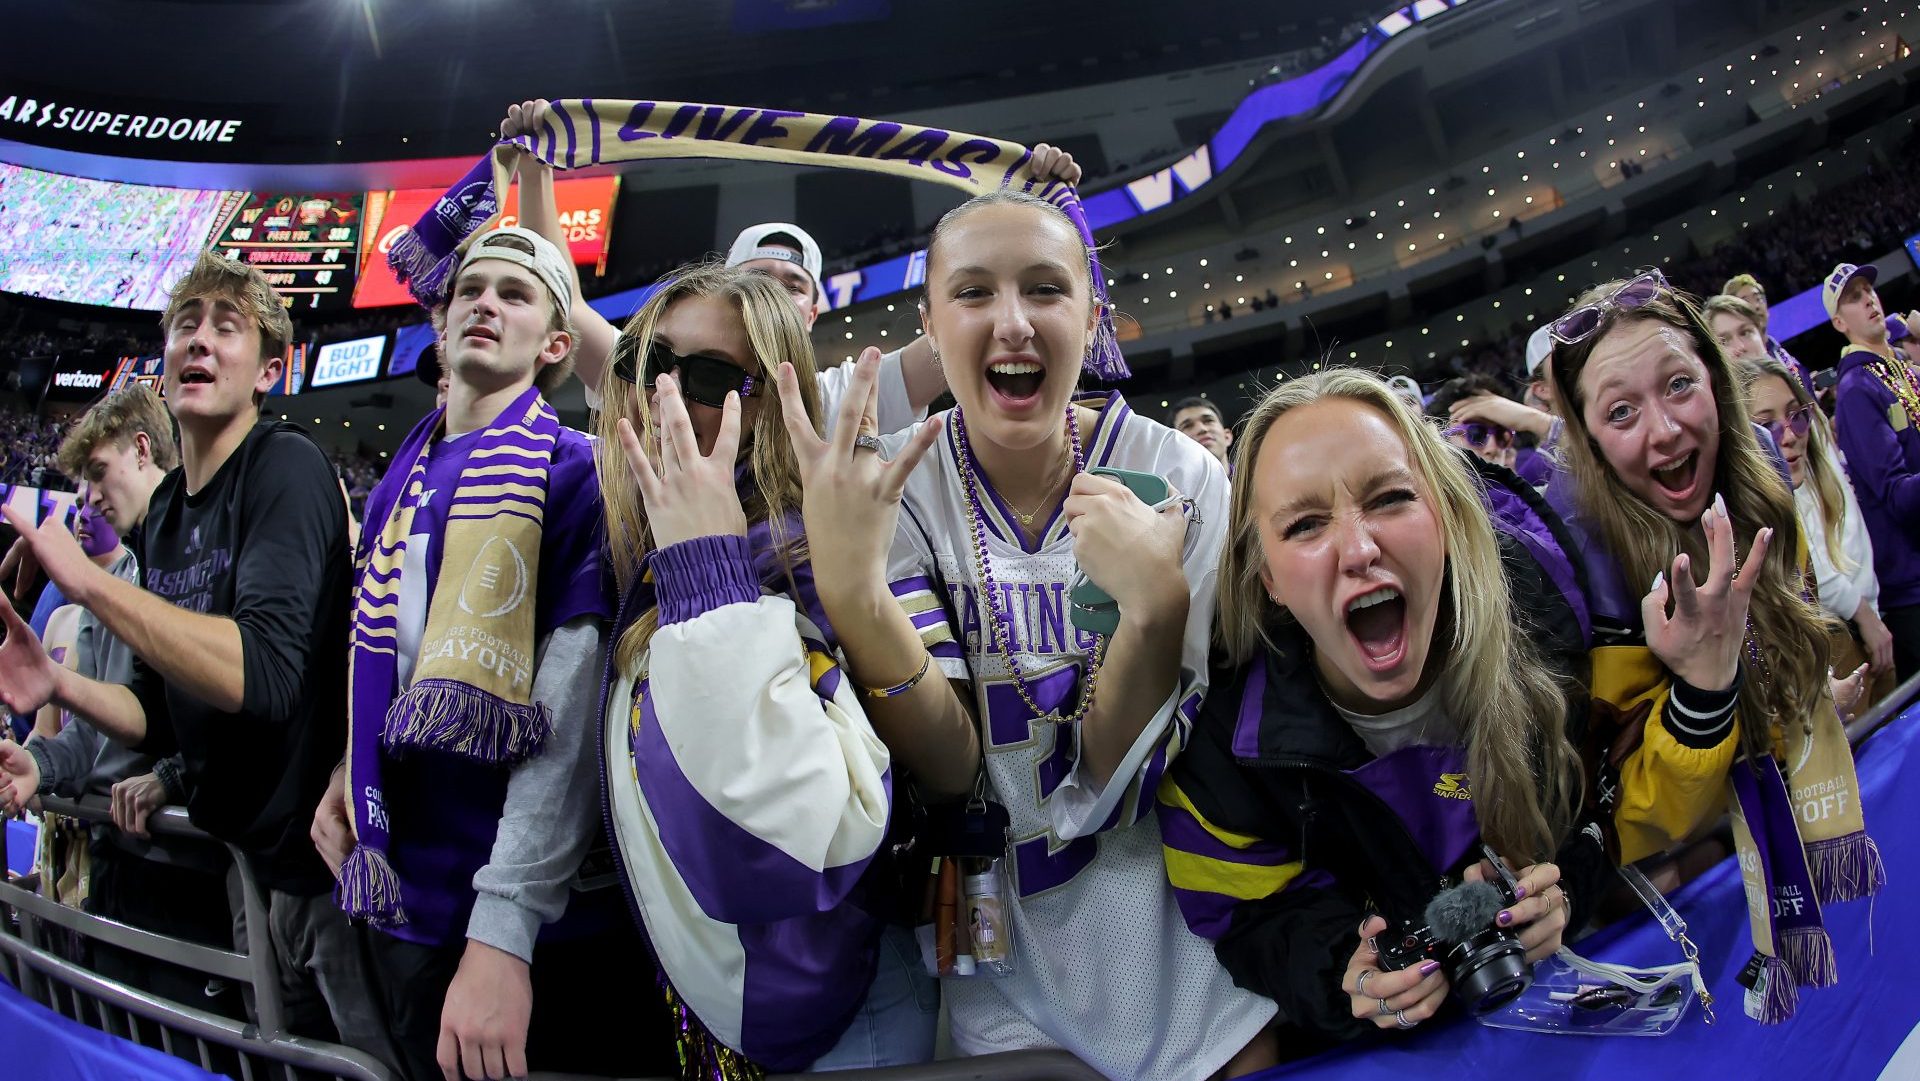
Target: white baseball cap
{"x":752,"y":243}
{"x":1836,"y":283}
{"x":1539,"y":348}
{"x":546,"y":261}
{"x":1405,"y":384}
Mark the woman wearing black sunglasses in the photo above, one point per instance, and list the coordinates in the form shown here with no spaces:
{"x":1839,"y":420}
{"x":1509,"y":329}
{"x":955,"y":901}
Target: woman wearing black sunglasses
{"x":1836,"y":535}
{"x":1664,"y":476}
{"x":748,"y":796}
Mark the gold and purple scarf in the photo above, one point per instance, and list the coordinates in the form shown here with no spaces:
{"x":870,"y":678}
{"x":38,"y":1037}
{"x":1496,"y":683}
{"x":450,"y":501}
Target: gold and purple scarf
{"x":581,"y":132}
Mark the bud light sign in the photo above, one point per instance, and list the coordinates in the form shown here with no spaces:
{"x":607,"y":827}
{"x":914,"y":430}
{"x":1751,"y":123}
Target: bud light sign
{"x":348,"y":362}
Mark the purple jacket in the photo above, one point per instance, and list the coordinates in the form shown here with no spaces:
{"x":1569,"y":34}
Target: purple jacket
{"x":1882,"y":447}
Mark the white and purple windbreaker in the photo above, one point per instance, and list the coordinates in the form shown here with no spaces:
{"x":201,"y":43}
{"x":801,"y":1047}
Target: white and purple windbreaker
{"x":748,"y":796}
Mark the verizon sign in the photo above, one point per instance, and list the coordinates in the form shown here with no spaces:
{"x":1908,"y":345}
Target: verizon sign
{"x":79,"y":377}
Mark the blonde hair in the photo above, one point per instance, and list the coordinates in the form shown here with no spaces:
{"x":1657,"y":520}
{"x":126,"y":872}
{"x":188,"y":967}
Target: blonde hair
{"x":132,"y":410}
{"x":1527,"y":776}
{"x":1102,"y":332}
{"x":1821,"y":467}
{"x":1787,"y":627}
{"x":776,"y":332}
{"x":1728,"y":304}
{"x":215,"y":277}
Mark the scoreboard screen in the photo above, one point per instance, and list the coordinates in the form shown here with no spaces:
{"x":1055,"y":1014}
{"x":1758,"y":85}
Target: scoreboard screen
{"x":306,"y":245}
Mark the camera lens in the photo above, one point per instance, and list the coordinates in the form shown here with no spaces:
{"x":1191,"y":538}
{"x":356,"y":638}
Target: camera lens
{"x":1489,"y":970}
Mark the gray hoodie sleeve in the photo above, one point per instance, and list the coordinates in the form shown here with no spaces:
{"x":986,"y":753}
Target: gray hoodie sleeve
{"x":550,"y":813}
{"x":66,"y":759}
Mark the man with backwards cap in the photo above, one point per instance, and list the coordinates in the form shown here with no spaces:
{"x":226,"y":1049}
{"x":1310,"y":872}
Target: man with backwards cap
{"x":1877,"y":424}
{"x":467,"y":801}
{"x":910,"y":377}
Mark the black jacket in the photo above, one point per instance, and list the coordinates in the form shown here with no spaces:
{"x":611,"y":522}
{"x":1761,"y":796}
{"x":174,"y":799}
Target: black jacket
{"x":1277,"y":765}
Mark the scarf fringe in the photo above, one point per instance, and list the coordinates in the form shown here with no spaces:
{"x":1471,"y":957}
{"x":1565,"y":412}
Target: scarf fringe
{"x":1846,"y":868}
{"x":447,"y":715}
{"x":1808,"y":952}
{"x":410,"y":258}
{"x":368,"y":889}
{"x":1781,"y":997}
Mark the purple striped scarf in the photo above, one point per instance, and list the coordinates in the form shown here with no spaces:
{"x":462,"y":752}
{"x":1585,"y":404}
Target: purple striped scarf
{"x":581,"y":132}
{"x":471,"y":692}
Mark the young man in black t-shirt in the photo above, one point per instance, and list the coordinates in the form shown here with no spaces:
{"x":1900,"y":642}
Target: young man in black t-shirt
{"x":239,"y":636}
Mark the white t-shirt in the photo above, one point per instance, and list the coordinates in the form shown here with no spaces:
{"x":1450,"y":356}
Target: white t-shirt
{"x":1105,"y":965}
{"x":1421,"y":722}
{"x":1840,"y":591}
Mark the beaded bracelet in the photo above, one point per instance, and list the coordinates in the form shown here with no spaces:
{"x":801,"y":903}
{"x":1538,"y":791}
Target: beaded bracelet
{"x":901,"y":688}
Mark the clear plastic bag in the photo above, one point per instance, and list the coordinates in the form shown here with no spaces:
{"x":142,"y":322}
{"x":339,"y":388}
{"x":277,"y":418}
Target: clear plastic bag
{"x":1572,"y":995}
{"x":971,"y":934}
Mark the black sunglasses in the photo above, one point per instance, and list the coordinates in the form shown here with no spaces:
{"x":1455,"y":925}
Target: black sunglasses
{"x":704,"y":379}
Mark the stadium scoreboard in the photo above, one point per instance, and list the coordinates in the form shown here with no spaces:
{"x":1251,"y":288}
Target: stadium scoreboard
{"x":306,"y":245}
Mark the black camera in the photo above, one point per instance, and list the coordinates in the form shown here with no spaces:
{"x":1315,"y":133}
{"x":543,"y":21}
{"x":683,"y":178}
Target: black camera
{"x":1485,"y":963}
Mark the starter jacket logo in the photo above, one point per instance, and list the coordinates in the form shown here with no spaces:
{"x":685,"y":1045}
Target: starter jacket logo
{"x":1452,"y":786}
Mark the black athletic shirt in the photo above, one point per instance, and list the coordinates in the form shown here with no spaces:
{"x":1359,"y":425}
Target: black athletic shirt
{"x":265,"y":544}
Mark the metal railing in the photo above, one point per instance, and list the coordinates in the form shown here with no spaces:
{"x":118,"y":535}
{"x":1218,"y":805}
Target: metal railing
{"x":1883,"y":711}
{"x":262,"y":1048}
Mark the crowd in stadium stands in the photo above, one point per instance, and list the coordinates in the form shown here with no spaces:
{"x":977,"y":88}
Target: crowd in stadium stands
{"x":1856,"y":220}
{"x":1323,"y":747}
{"x":29,"y":443}
{"x":360,"y":472}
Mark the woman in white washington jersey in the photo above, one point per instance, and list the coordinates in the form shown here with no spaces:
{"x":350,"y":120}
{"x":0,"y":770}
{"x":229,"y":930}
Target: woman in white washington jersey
{"x":962,"y":563}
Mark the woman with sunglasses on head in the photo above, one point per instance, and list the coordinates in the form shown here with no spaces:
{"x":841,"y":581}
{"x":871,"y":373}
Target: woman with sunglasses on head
{"x":1665,"y":481}
{"x":1830,"y":521}
{"x":1400,"y":687}
{"x":951,"y":578}
{"x":748,"y":797}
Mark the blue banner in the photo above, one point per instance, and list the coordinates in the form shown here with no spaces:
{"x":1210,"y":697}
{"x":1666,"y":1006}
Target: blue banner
{"x":43,"y":1044}
{"x":1851,"y":1032}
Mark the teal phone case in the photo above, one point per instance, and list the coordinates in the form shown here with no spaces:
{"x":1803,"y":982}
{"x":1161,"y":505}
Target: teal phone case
{"x":1090,"y":608}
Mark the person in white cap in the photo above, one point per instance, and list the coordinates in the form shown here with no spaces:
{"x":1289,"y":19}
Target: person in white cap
{"x":1877,"y":425}
{"x":910,"y":377}
{"x":466,"y":806}
{"x":1540,"y":370}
